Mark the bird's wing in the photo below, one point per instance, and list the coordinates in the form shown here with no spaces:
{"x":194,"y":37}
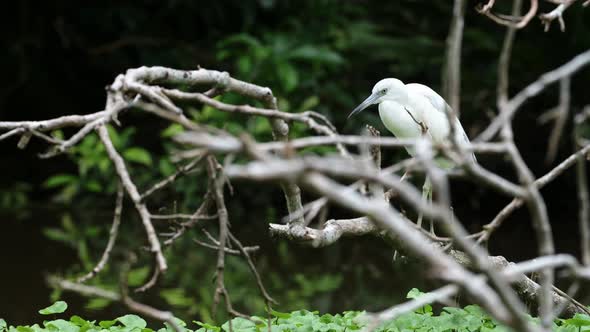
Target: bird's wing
{"x":441,"y":105}
{"x":434,"y":98}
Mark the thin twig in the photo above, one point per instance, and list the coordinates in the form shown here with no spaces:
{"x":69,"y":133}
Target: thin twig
{"x":216,"y":183}
{"x":170,"y":178}
{"x":112,"y":238}
{"x":583,"y":195}
{"x":562,"y":116}
{"x":245,"y":253}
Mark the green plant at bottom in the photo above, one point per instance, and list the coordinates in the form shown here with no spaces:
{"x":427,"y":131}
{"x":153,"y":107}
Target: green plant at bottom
{"x":469,"y":319}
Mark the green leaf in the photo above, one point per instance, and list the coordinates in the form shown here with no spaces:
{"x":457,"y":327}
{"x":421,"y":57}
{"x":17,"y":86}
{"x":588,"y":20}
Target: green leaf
{"x":93,"y":186}
{"x":59,"y":134}
{"x":241,"y":38}
{"x":309,"y":103}
{"x":58,"y":235}
{"x":244,"y":64}
{"x":578,"y":320}
{"x":61,"y":325}
{"x":105,"y":324}
{"x":208,"y":327}
{"x":59,"y":180}
{"x":289,"y":77}
{"x":240,"y":324}
{"x":176,"y":297}
{"x":414,"y":293}
{"x":56,"y":308}
{"x":115,"y":137}
{"x":138,"y":155}
{"x":79,"y":321}
{"x":278,"y":314}
{"x":315,"y":54}
{"x":476,"y":311}
{"x":3,"y":325}
{"x":172,"y":130}
{"x":179,"y":322}
{"x":137,"y":276}
{"x":132,"y":321}
{"x":165,"y":167}
{"x":97,"y":304}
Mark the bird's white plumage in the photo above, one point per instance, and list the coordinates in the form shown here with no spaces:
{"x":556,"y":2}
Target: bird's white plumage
{"x":440,"y":118}
{"x":407,"y":109}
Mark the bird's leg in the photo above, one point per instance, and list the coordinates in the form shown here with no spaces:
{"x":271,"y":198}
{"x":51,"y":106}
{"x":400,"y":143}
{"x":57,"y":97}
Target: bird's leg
{"x":427,"y":198}
{"x":430,"y":204}
{"x":404,"y":176}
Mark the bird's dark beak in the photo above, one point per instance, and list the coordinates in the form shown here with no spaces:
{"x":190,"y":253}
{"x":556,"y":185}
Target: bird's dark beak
{"x":368,"y":102}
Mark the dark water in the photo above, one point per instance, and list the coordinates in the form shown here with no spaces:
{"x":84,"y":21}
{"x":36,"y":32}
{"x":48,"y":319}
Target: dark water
{"x":27,"y":256}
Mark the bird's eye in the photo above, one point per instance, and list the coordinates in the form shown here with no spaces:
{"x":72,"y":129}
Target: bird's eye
{"x":383,"y":91}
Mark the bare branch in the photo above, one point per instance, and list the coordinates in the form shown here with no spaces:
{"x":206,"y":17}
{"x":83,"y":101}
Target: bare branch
{"x":562,"y":116}
{"x":227,"y":250}
{"x":171,"y":178}
{"x":216,"y":183}
{"x":540,"y":182}
{"x":135,"y":197}
{"x":583,"y":195}
{"x":332,"y":231}
{"x":150,"y":283}
{"x":533,"y":89}
{"x":57,"y":123}
{"x":556,"y":13}
{"x":452,"y":68}
{"x":112,"y":238}
{"x":245,"y":253}
{"x":504,"y":62}
{"x":515,"y":22}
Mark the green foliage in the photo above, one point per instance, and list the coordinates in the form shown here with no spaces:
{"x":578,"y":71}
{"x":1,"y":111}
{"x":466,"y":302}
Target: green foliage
{"x":469,"y":319}
{"x":415,"y":293}
{"x":56,"y":308}
{"x":96,"y":173}
{"x":15,"y":198}
{"x":276,"y":50}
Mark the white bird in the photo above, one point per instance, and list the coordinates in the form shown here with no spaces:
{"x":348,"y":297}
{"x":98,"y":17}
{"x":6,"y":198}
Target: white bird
{"x":411,"y":111}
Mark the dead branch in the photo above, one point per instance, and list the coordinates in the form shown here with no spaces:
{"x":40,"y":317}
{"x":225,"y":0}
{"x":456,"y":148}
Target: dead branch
{"x":135,"y":197}
{"x":557,"y":13}
{"x":245,"y":253}
{"x":452,"y":68}
{"x":533,"y":89}
{"x":112,"y":238}
{"x":582,"y":186}
{"x":540,"y":182}
{"x":561,"y":118}
{"x":517,"y":22}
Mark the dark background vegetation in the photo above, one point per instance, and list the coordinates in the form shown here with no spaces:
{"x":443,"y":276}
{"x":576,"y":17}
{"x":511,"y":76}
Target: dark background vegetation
{"x":325,"y":55}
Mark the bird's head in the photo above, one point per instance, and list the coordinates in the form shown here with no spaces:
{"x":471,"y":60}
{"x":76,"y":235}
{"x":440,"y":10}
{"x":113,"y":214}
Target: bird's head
{"x":386,"y":89}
